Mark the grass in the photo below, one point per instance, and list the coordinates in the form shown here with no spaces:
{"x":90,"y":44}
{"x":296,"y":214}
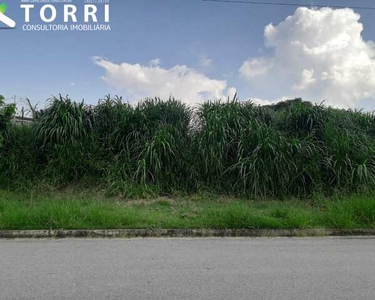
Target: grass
{"x":290,"y":149}
{"x":25,"y":211}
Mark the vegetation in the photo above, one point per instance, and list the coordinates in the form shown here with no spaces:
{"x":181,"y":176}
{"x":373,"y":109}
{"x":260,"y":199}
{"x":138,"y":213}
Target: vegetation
{"x":66,"y":210}
{"x":291,"y":149}
{"x":6,"y":113}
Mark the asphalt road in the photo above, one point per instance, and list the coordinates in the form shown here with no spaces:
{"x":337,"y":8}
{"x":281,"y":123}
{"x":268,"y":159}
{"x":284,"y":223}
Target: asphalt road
{"x":281,"y":268}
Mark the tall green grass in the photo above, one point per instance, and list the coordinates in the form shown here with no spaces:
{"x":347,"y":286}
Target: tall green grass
{"x":6,"y":113}
{"x":293,"y":148}
{"x":24,"y":211}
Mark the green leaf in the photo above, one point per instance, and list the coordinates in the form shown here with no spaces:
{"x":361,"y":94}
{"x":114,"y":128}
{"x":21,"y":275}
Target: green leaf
{"x":3,"y":8}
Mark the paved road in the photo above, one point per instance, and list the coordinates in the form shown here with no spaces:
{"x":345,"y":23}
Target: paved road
{"x":329,"y":268}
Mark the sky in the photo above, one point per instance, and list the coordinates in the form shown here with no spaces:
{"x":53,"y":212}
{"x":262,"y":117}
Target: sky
{"x":196,"y":51}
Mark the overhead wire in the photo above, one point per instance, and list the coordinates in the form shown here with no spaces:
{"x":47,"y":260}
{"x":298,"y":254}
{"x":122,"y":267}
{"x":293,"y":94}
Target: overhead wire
{"x":288,"y":4}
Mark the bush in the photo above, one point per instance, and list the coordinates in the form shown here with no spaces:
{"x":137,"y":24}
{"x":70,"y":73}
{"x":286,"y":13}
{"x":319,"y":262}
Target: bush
{"x":293,"y":148}
{"x":6,"y":113}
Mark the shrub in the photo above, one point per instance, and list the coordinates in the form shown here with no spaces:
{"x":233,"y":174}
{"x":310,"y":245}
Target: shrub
{"x":293,"y":148}
{"x":6,"y":113}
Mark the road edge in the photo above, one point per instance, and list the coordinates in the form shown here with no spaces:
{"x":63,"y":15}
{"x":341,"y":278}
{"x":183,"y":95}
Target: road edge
{"x":181,"y":233}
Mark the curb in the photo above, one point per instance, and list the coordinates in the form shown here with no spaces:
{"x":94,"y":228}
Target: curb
{"x":182,"y":233}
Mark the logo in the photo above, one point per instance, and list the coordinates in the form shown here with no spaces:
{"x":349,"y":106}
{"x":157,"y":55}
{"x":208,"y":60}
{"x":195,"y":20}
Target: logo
{"x":62,"y":15}
{"x":4,"y":19}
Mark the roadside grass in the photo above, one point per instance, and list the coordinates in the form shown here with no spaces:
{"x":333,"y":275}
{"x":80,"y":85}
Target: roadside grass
{"x":26,"y":211}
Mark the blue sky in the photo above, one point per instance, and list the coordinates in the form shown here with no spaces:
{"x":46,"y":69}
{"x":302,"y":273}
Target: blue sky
{"x":213,"y":40}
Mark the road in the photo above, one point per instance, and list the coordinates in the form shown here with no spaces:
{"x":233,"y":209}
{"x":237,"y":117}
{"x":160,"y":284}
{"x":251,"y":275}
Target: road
{"x":280,"y":268}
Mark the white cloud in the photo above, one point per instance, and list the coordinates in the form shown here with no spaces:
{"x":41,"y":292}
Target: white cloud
{"x":182,"y":82}
{"x":319,"y":55}
{"x":307,"y":80}
{"x":231,"y":93}
{"x":205,"y":61}
{"x":259,"y":101}
{"x":256,"y":67}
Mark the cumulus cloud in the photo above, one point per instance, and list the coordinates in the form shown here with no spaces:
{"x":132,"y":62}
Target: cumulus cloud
{"x":141,"y":81}
{"x":307,"y":80}
{"x":256,"y":67}
{"x":319,"y":55}
{"x":260,"y":101}
{"x":231,"y":93}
